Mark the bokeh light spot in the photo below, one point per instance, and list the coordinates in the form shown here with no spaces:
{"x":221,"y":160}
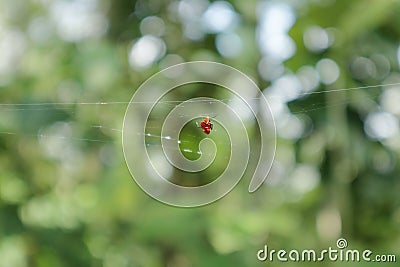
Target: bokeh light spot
{"x":146,"y":51}
{"x":328,"y":71}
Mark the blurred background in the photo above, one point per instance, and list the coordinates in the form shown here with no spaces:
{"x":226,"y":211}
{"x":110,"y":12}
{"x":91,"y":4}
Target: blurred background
{"x":69,"y":67}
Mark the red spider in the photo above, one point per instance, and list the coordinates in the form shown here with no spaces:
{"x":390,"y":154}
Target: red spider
{"x":206,"y":125}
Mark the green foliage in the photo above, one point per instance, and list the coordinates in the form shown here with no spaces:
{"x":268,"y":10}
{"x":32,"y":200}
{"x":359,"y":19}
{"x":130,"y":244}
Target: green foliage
{"x":67,"y":198}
